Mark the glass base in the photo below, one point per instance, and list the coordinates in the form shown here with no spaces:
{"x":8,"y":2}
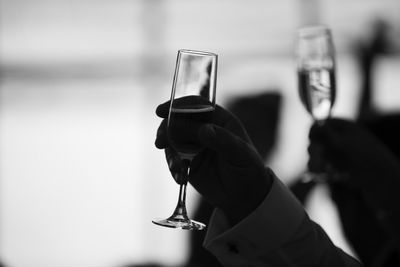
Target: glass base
{"x":186,"y":224}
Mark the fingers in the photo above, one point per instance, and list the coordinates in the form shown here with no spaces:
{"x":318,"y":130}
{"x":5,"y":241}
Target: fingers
{"x":226,"y":136}
{"x":233,"y":148}
{"x":163,"y":109}
{"x":220,"y":117}
{"x":182,"y":133}
{"x":161,"y":139}
{"x":175,"y":165}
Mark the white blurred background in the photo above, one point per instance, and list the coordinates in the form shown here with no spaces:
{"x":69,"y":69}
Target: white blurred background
{"x":80,"y":178}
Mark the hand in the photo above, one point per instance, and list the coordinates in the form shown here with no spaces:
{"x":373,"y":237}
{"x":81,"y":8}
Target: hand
{"x":228,"y":172}
{"x":351,"y":149}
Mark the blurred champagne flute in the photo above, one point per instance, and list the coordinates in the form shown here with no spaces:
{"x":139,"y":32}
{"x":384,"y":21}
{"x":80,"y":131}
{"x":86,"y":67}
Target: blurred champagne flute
{"x":316,"y":65}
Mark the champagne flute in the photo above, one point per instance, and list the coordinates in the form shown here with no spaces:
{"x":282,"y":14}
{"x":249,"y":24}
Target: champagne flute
{"x":192,"y":104}
{"x":316,"y":76}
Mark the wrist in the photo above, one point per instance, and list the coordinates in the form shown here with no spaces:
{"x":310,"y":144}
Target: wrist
{"x":242,"y":206}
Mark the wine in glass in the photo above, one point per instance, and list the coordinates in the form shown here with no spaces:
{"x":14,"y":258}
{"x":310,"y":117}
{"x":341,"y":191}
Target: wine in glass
{"x":316,"y":76}
{"x":192,"y":104}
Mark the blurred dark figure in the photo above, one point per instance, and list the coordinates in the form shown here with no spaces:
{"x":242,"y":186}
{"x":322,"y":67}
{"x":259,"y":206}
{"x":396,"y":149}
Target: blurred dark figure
{"x":259,"y":115}
{"x":364,"y":163}
{"x":364,"y":183}
{"x":385,"y":202}
{"x":366,"y":52}
{"x":374,"y":236}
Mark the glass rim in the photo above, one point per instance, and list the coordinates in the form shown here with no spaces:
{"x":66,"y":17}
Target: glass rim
{"x":313,"y":30}
{"x":197,"y":52}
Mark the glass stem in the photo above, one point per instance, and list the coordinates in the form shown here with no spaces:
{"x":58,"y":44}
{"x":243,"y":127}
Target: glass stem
{"x":180,"y":210}
{"x":181,"y":205}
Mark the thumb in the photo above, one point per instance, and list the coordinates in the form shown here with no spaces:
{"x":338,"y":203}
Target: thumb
{"x":230,"y":146}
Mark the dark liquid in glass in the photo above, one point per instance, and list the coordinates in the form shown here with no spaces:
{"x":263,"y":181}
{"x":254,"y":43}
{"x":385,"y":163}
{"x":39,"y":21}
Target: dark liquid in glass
{"x":186,"y":116}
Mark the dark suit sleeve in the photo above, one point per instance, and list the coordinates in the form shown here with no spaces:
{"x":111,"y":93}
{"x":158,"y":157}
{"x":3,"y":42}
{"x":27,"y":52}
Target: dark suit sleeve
{"x":277,"y":233}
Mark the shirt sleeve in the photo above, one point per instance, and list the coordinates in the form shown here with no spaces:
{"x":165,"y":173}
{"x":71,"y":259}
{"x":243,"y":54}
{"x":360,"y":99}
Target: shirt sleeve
{"x":277,"y":233}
